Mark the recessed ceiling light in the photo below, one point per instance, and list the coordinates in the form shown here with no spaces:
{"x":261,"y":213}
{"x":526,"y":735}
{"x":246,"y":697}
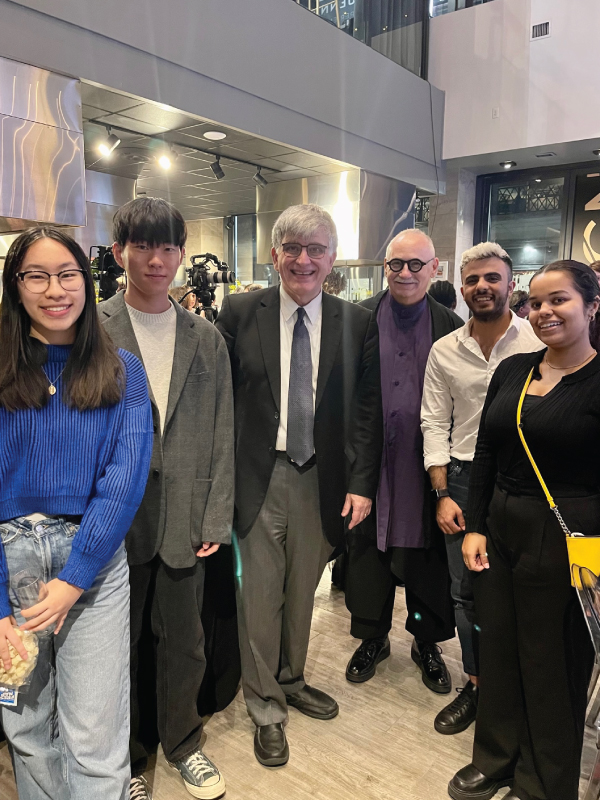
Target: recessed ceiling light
{"x":538,"y":180}
{"x":214,"y":136}
{"x":596,"y":152}
{"x":508,"y":164}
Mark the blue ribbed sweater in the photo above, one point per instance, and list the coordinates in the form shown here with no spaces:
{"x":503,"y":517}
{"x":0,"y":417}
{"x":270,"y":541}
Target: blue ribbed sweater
{"x":58,"y":460}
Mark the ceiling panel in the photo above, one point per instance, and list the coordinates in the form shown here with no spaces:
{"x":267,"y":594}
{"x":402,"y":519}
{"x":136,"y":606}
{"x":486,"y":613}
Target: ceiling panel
{"x":190,"y":183}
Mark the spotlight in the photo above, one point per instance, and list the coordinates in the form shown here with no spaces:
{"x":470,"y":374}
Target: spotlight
{"x":259,"y":180}
{"x":596,"y":152}
{"x":216,"y":168}
{"x":166,"y":159}
{"x":508,"y":164}
{"x":106,"y":147}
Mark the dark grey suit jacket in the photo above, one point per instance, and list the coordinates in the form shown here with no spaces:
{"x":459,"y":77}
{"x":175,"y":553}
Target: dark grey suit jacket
{"x":189,"y":495}
{"x":348,"y":429}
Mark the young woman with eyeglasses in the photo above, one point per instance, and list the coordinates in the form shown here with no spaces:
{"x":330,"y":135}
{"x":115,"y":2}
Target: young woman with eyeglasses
{"x":75,"y":446}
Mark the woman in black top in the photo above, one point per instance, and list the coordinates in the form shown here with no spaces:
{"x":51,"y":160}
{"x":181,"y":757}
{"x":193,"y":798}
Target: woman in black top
{"x":535,"y":652}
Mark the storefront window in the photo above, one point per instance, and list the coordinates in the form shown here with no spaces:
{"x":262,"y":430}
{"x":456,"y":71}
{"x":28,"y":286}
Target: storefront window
{"x":525,"y":217}
{"x":395,"y":28}
{"x":437,"y":7}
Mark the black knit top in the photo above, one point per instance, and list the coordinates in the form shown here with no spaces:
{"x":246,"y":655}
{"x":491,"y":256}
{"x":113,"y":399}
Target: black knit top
{"x":562,"y":430}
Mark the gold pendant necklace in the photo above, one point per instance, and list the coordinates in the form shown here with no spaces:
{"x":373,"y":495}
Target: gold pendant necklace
{"x":51,"y":386}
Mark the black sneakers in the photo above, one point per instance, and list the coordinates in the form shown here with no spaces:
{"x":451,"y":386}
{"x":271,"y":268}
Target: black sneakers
{"x":460,"y":713}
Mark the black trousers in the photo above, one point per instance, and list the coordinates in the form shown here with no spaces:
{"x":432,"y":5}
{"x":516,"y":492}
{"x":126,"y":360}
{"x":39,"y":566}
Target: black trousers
{"x":371,"y":580}
{"x":536,"y":654}
{"x":167,"y":660}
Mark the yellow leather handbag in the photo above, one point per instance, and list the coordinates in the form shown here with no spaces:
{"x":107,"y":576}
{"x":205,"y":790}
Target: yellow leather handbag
{"x":584,"y":551}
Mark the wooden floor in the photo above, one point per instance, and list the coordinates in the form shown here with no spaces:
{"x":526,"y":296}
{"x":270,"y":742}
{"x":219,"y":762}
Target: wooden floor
{"x":382,"y":746}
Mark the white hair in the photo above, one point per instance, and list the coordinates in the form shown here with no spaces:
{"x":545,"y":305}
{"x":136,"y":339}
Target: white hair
{"x":485,"y":250}
{"x":301,"y":222}
{"x":388,"y":250}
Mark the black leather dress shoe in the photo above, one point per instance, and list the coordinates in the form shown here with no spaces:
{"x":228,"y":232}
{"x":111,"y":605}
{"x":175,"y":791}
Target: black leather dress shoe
{"x":363,"y":663}
{"x":435,"y":673}
{"x":470,"y":784}
{"x":270,"y":745}
{"x":460,"y":713}
{"x":313,"y":703}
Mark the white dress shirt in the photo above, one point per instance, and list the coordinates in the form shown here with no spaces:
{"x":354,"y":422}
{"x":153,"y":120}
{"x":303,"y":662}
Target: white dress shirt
{"x":457,"y":377}
{"x":287,"y":319}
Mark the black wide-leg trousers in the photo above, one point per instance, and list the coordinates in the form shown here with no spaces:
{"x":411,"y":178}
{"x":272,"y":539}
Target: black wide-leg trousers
{"x":536,"y":654}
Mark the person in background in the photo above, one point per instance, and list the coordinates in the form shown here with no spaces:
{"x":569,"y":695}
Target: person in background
{"x":403,"y":543}
{"x":308,"y":448}
{"x":189,"y":303}
{"x":595,"y":265}
{"x":459,"y":369}
{"x":519,"y":304}
{"x":75,"y":446}
{"x":535,"y":651}
{"x":253,"y":287}
{"x":187,"y":510}
{"x":444,"y":293}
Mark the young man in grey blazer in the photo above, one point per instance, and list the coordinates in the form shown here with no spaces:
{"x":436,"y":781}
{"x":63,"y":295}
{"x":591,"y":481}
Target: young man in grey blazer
{"x":187,"y":509}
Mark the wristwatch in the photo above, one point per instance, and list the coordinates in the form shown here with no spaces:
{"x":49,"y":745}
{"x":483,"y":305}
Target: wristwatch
{"x":439,"y":493}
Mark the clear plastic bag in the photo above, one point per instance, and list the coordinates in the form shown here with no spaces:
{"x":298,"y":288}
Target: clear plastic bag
{"x":19,"y":675}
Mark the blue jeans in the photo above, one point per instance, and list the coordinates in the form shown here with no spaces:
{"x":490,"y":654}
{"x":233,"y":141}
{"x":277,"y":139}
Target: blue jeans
{"x":461,"y":582}
{"x":70,"y":732}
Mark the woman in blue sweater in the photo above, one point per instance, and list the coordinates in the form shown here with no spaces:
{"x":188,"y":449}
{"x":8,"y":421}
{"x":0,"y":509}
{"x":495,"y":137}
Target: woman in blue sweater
{"x":75,"y":446}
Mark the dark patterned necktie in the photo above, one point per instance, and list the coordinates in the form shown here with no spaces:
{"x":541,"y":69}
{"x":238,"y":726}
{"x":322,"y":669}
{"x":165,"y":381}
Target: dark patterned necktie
{"x":300,"y":443}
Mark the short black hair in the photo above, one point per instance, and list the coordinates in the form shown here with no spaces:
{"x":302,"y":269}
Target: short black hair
{"x":443,"y":292}
{"x":150,"y":220}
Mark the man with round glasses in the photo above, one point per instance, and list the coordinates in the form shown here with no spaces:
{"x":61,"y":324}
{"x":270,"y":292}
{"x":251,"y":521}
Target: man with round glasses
{"x":308,"y":426}
{"x":400,"y":543}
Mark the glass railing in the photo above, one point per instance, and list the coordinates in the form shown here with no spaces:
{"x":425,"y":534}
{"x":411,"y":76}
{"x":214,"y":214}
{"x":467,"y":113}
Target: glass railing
{"x":395,"y":28}
{"x":437,"y":7}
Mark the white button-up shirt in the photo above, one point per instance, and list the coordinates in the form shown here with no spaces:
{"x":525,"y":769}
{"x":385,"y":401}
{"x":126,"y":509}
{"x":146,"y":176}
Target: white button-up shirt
{"x":457,"y":377}
{"x":287,"y":319}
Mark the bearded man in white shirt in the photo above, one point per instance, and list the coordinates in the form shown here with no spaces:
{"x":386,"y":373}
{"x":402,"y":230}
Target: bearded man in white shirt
{"x":458,"y":373}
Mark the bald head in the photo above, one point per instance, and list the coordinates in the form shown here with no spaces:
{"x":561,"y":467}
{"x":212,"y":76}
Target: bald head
{"x":412,"y":237}
{"x":408,"y":286}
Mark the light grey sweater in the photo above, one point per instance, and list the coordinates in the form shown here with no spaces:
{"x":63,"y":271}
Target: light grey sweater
{"x":155,"y":334}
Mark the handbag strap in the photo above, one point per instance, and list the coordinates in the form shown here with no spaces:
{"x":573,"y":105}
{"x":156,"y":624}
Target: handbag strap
{"x":549,"y":497}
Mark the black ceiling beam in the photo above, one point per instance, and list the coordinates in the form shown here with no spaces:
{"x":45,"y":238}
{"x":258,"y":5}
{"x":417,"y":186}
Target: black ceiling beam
{"x":160,"y":138}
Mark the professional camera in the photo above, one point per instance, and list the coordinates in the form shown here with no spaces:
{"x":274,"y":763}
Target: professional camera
{"x":105,"y":270}
{"x":205,"y":273}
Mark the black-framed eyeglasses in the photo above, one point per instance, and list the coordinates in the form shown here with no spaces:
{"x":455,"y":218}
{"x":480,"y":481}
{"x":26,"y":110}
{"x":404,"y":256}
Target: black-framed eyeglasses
{"x":293,"y":249}
{"x":413,"y":264}
{"x":38,"y":281}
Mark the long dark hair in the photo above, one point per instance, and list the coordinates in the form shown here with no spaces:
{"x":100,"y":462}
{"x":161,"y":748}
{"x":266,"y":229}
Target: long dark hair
{"x":93,"y":375}
{"x":585,"y":282}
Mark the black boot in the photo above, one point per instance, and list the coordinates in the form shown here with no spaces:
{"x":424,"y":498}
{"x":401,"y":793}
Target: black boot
{"x":363,"y":663}
{"x":460,"y":713}
{"x":435,"y":673}
{"x":470,"y":784}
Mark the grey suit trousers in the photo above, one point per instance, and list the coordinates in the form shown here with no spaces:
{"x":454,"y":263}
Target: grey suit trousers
{"x":281,"y":562}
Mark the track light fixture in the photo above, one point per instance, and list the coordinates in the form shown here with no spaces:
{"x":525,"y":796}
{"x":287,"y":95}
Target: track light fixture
{"x":258,"y":179}
{"x":216,"y":169}
{"x":106,"y":147}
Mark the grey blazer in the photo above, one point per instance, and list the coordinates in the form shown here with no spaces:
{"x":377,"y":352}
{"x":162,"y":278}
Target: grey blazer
{"x":189,"y":495}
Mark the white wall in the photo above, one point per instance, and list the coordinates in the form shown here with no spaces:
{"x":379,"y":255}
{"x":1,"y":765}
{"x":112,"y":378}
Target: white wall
{"x":546,"y":91}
